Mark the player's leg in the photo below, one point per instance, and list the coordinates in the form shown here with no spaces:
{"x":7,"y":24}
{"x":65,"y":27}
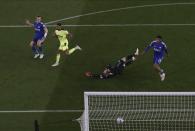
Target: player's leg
{"x":136,"y":53}
{"x":40,"y":48}
{"x":70,"y":51}
{"x":157,"y":68}
{"x":34,"y":49}
{"x":57,"y":58}
{"x":132,"y":57}
{"x":60,"y":51}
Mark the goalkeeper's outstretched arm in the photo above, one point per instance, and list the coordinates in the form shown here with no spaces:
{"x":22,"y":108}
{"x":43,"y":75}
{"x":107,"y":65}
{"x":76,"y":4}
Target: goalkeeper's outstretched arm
{"x":107,"y":73}
{"x":95,"y":76}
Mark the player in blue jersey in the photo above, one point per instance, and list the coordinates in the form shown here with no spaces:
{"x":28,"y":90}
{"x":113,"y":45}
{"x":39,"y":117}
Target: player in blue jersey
{"x":40,"y":35}
{"x":160,"y":49}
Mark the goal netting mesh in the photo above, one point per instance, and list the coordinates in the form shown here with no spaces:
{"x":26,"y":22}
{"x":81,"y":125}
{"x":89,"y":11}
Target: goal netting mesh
{"x":138,"y":111}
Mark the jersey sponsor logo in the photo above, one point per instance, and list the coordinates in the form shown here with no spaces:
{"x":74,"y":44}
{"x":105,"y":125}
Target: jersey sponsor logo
{"x":157,"y":50}
{"x":37,"y":29}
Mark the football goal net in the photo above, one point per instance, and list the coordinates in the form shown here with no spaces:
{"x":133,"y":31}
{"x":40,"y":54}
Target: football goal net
{"x":138,"y":111}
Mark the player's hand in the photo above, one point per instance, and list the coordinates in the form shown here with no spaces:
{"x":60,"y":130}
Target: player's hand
{"x":27,"y":22}
{"x":70,"y":35}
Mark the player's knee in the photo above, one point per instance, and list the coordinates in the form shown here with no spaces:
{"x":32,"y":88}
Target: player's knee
{"x":39,"y":44}
{"x":155,"y":66}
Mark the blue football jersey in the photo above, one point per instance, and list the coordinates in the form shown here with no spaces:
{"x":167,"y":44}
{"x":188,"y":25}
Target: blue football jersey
{"x":39,"y":29}
{"x":158,"y":47}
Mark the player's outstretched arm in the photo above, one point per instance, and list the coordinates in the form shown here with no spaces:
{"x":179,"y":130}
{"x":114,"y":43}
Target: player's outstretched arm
{"x":147,"y":49}
{"x":28,"y":23}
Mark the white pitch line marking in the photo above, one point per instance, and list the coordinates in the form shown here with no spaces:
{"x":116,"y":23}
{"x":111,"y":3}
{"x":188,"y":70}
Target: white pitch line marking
{"x":14,"y":26}
{"x":122,"y":25}
{"x":99,"y":25}
{"x":39,"y":111}
{"x":118,"y":9}
{"x":106,"y":11}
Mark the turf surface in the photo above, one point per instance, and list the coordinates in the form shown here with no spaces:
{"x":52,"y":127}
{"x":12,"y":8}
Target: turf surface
{"x":28,"y":84}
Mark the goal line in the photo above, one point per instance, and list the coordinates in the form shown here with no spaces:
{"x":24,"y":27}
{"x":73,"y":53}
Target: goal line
{"x":39,"y":111}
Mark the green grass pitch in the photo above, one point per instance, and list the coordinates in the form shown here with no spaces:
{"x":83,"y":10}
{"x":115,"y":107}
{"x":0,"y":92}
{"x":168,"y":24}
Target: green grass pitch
{"x":28,"y":84}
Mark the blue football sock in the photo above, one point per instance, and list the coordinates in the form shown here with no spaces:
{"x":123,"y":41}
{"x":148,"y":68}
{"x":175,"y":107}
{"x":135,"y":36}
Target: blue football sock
{"x":34,"y":49}
{"x":161,"y":71}
{"x":40,"y":50}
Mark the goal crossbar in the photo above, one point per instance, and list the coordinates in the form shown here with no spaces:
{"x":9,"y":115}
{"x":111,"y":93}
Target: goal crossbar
{"x":141,"y":93}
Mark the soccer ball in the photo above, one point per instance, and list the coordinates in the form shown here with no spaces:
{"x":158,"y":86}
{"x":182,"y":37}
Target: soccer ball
{"x":119,"y":120}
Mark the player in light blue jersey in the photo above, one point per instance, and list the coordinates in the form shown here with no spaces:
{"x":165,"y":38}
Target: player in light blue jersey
{"x":160,"y":49}
{"x":40,"y":35}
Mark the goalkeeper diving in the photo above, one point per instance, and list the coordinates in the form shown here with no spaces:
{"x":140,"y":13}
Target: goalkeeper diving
{"x":62,"y":35}
{"x":111,"y":71}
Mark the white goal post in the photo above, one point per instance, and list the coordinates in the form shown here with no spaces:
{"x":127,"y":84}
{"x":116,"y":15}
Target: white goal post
{"x":138,"y":111}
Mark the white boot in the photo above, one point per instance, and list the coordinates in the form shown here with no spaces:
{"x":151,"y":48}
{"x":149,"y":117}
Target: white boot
{"x":137,"y":52}
{"x":36,"y":56}
{"x":55,"y":64}
{"x":41,"y":56}
{"x":162,"y":76}
{"x":78,"y":47}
